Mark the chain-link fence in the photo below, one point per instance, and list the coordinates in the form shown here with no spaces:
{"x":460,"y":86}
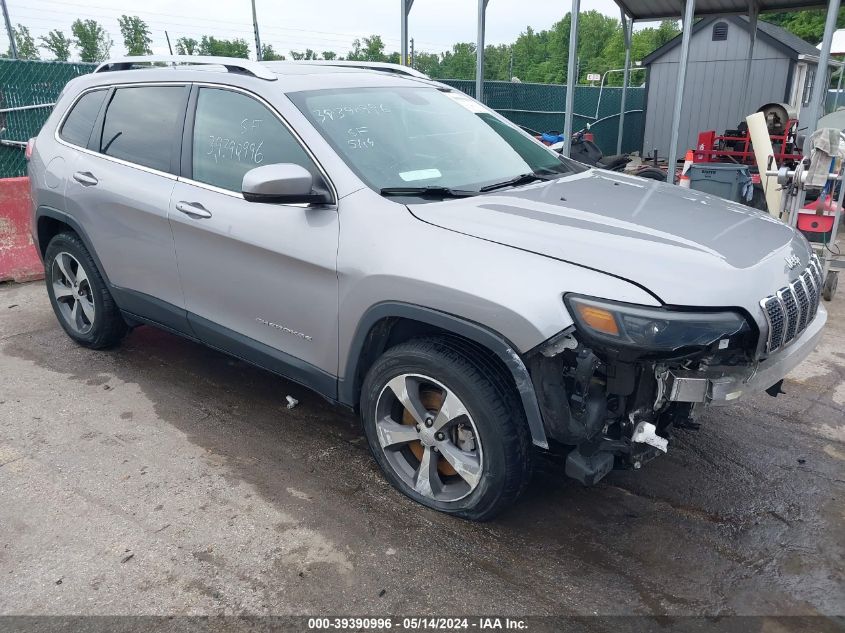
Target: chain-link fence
{"x":542,"y":107}
{"x":28,"y":90}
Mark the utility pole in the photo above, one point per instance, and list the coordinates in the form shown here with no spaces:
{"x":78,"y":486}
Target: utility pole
{"x":12,"y":45}
{"x":403,"y":26}
{"x":510,"y":66}
{"x":257,"y":39}
{"x":413,"y":63}
{"x":169,"y":47}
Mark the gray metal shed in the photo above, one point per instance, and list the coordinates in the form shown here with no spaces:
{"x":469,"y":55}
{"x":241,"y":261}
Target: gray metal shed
{"x":783,"y":69}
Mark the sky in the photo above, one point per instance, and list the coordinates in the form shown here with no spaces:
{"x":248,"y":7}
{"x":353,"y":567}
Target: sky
{"x":296,"y":24}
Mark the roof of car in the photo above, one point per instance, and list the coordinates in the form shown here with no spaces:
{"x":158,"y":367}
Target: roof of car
{"x":290,"y":76}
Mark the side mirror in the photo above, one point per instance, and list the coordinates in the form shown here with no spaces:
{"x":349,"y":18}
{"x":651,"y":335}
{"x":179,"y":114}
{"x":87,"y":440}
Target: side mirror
{"x":283,"y":182}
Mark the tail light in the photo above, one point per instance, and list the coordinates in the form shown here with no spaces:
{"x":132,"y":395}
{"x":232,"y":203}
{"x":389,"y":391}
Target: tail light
{"x":30,"y":147}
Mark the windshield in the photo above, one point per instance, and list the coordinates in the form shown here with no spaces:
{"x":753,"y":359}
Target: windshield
{"x":402,"y":139}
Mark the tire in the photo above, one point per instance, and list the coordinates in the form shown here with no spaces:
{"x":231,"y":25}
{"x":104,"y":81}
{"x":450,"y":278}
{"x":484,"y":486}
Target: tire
{"x":73,"y":279}
{"x":652,"y":173}
{"x":486,"y":434}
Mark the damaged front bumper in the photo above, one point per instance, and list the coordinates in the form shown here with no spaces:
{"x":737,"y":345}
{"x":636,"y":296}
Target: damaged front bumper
{"x":616,"y":408}
{"x":725,"y":385}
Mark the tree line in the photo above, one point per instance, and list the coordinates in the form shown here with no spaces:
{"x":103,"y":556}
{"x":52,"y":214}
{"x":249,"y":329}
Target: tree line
{"x":535,"y":56}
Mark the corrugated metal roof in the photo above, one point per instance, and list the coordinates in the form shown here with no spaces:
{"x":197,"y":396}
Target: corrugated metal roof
{"x":660,"y":9}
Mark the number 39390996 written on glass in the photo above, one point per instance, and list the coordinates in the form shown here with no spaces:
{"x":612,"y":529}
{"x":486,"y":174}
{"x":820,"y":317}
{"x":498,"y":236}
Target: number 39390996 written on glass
{"x":232,"y":149}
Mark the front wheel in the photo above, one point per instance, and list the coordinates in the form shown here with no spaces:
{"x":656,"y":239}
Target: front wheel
{"x":446,"y":428}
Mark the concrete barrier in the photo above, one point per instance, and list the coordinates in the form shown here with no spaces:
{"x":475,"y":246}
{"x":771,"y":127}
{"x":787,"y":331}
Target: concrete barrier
{"x":19,"y":260}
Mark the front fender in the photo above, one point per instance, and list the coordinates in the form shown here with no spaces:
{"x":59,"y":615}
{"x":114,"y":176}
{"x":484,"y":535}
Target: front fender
{"x":348,"y":386}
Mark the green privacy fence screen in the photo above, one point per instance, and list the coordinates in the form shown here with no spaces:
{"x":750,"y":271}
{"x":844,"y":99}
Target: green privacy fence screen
{"x":542,"y":107}
{"x":24,"y":84}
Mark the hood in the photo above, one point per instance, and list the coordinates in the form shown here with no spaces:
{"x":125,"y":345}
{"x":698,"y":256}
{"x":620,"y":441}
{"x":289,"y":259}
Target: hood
{"x":685,"y":247}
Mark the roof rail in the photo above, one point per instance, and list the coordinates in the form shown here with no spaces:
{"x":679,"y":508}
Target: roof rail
{"x":232,"y":64}
{"x":387,"y":67}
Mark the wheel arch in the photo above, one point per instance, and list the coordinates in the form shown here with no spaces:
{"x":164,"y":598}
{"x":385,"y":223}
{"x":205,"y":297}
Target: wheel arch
{"x":390,"y":323}
{"x":49,"y":222}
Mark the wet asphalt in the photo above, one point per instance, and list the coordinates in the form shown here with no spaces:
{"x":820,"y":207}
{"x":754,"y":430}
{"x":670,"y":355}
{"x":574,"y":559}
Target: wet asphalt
{"x":165,"y":478}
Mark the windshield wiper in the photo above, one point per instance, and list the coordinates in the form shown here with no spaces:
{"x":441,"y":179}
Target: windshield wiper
{"x":522,"y":179}
{"x":440,"y":192}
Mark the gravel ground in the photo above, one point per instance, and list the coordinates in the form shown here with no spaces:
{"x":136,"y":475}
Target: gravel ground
{"x":165,"y":478}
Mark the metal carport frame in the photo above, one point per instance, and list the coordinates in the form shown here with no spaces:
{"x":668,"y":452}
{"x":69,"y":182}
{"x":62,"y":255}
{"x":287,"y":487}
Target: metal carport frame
{"x":688,"y":10}
{"x":649,"y":10}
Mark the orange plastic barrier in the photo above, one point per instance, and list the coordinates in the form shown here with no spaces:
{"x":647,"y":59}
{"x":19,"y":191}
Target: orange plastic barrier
{"x":19,"y":260}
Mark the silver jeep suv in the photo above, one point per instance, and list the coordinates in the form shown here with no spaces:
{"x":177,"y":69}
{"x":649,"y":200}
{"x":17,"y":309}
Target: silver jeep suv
{"x":408,"y":253}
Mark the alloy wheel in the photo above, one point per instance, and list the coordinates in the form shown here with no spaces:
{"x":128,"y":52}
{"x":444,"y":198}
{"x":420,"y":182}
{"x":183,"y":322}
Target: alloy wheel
{"x":72,"y":291}
{"x":429,"y":438}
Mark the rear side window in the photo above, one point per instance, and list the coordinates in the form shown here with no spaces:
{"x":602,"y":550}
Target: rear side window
{"x":141,"y":124}
{"x":79,"y":123}
{"x":234,"y":133}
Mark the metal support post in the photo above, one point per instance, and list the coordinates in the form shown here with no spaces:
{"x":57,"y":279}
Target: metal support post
{"x":571,"y":77}
{"x":689,"y":15}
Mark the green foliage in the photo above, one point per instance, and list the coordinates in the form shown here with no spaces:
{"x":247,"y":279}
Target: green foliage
{"x":808,"y":25}
{"x":428,"y":63}
{"x":136,"y":35}
{"x":25,"y":43}
{"x":269,"y":55}
{"x":91,"y":39}
{"x":371,"y":49}
{"x":542,"y":56}
{"x":187,"y":46}
{"x":329,"y":55}
{"x":459,"y":63}
{"x":57,"y":43}
{"x":308,"y":54}
{"x":237,"y":47}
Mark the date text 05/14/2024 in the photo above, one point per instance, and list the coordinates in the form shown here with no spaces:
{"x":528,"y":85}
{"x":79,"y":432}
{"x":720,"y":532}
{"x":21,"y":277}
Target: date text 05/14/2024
{"x":417,"y":623}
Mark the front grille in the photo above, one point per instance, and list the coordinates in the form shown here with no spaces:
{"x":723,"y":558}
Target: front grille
{"x":792,"y":308}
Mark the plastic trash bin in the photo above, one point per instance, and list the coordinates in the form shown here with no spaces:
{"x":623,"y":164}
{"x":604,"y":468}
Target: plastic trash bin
{"x":726,"y":181}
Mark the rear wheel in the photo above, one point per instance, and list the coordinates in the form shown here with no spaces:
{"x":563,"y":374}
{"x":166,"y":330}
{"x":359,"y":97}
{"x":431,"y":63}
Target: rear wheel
{"x":446,"y":428}
{"x":79,"y":296}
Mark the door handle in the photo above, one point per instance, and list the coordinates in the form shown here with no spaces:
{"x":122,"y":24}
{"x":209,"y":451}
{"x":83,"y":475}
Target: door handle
{"x":85,"y":178}
{"x":193,"y":209}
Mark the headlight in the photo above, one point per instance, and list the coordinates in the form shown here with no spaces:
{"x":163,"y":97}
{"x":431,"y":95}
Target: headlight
{"x":653,"y":329}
